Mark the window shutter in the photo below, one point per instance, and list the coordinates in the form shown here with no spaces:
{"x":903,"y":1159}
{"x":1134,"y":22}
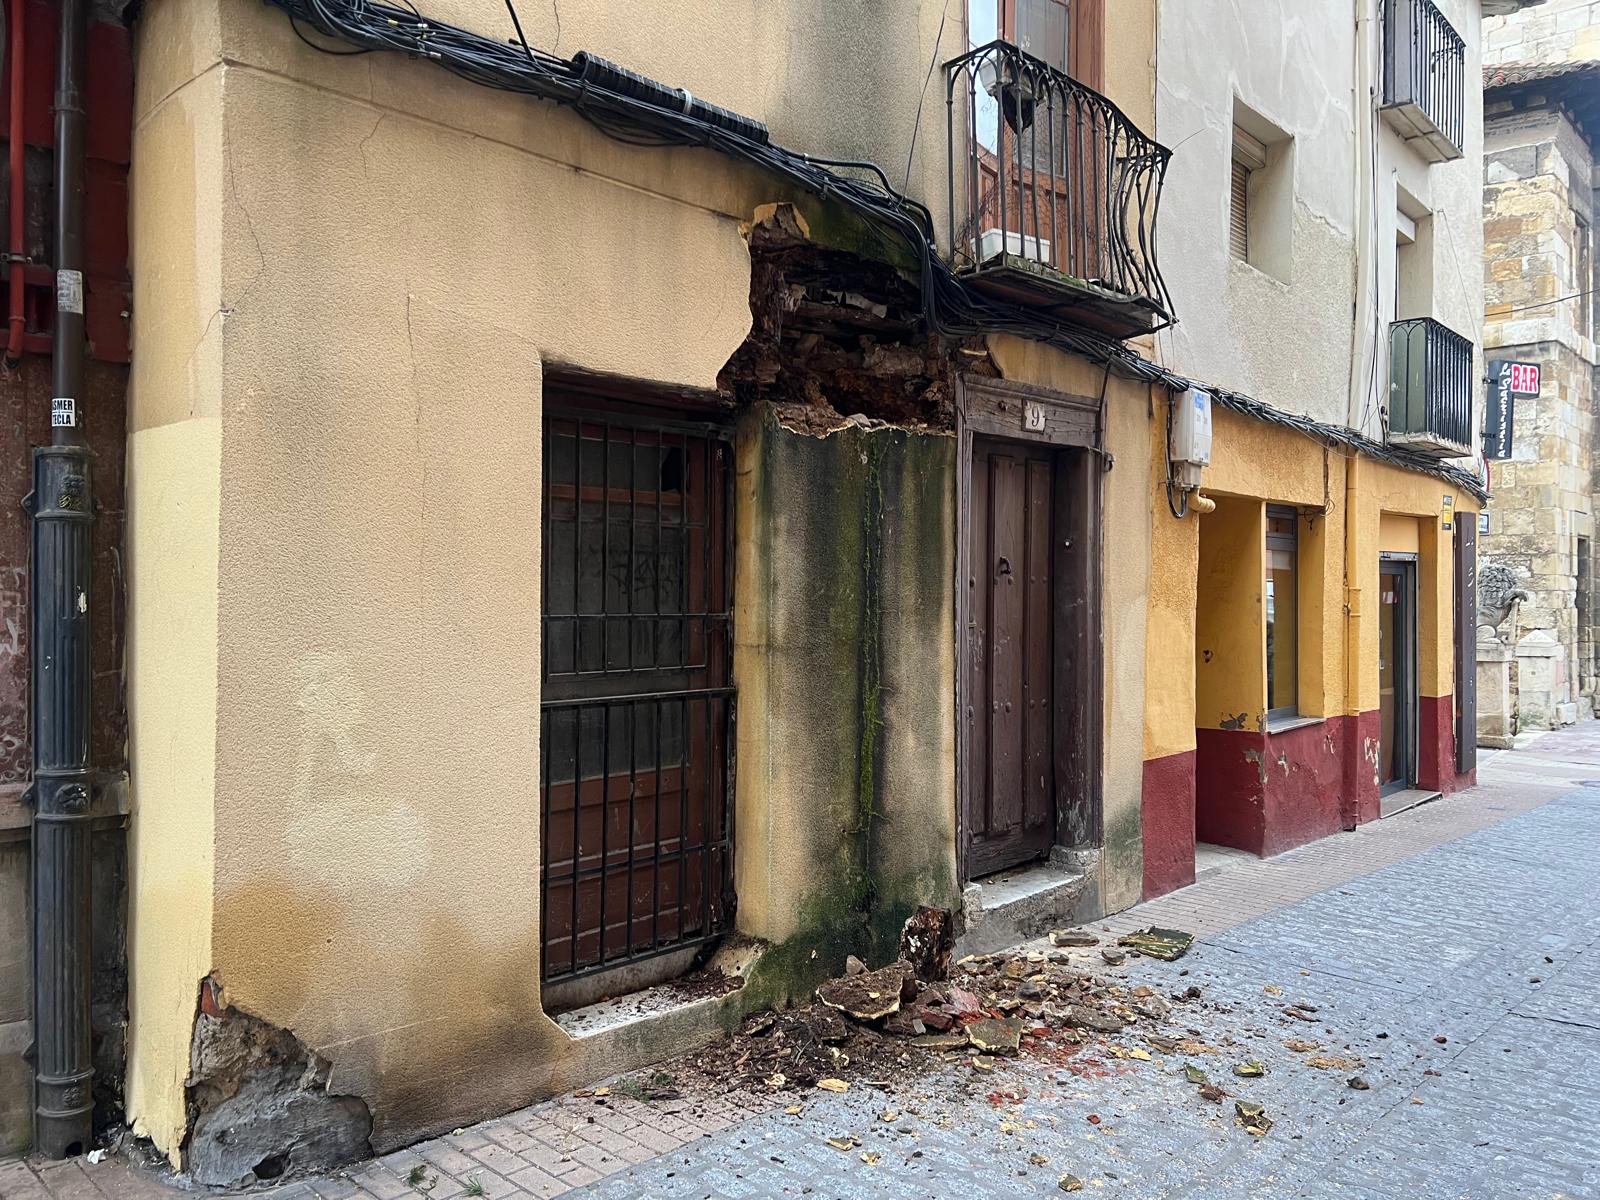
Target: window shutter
{"x":1239,"y":212}
{"x":1249,"y":154}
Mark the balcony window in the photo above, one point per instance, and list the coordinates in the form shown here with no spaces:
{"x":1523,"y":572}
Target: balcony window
{"x":1039,"y":28}
{"x":1424,"y":79}
{"x":1053,"y":191}
{"x":1430,"y":388}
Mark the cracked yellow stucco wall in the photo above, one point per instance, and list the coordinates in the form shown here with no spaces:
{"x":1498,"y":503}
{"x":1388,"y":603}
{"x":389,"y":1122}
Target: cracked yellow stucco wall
{"x":352,"y":275}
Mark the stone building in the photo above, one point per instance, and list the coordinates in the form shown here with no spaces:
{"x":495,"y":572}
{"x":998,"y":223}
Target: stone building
{"x":1541,"y":117}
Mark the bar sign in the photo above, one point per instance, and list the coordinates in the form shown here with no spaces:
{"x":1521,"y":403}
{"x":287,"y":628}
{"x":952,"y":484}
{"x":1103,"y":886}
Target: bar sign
{"x":1524,"y":378}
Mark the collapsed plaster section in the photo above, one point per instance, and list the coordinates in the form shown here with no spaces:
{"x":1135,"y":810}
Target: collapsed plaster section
{"x":259,"y":1102}
{"x":847,"y":407}
{"x":836,"y":339}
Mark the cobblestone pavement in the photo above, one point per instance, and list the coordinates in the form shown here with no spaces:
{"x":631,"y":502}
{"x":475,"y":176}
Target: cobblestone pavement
{"x":1454,"y":949}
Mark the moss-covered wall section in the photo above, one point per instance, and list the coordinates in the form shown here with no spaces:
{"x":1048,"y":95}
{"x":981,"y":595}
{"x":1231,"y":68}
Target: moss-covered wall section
{"x":845,"y":661}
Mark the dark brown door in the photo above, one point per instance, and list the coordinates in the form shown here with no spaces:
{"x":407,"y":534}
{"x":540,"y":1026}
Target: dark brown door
{"x":637,"y":694}
{"x":1010,"y":708}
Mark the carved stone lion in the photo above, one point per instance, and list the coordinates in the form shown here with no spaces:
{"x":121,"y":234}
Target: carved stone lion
{"x":1498,"y":595}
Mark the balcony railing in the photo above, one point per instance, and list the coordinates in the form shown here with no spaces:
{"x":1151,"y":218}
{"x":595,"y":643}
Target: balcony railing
{"x":1053,"y":193}
{"x":1430,"y":388}
{"x":1424,"y":78}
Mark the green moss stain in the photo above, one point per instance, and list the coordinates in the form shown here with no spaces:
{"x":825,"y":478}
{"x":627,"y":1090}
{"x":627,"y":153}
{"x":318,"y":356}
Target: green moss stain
{"x":870,"y":718}
{"x":857,"y":529}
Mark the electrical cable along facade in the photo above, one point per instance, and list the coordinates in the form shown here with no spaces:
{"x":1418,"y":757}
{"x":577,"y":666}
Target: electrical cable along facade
{"x":656,"y":115}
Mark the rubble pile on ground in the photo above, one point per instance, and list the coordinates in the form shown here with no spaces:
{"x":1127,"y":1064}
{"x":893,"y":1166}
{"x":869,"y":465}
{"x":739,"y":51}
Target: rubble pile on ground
{"x":872,"y":1025}
{"x":1042,"y":1033}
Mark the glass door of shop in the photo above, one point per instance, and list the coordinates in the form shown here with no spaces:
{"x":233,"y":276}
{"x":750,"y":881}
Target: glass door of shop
{"x":1397,"y":674}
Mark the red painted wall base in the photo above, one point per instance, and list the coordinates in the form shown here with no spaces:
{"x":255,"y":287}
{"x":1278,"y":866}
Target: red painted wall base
{"x":1270,"y":792}
{"x":1436,"y":760}
{"x":1359,"y":804}
{"x":1166,"y":817}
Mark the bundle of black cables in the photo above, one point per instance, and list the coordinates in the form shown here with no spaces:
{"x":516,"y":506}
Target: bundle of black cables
{"x":639,"y":111}
{"x":633,"y":109}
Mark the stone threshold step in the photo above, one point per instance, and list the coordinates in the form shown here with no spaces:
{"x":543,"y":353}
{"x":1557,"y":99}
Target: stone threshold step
{"x":1399,"y":802}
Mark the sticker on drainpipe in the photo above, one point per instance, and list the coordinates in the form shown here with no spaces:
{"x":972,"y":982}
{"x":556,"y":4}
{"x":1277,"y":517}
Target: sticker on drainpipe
{"x":69,"y":291}
{"x":63,"y":412}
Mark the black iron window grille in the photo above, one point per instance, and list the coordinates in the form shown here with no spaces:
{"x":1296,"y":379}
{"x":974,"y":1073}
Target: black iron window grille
{"x":1430,"y":388}
{"x":637,"y":706}
{"x":1425,"y":78}
{"x":1046,"y":172}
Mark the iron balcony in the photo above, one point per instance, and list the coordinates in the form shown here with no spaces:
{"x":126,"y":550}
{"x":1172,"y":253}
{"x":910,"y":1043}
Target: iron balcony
{"x":1424,"y":79}
{"x":1053,"y":194}
{"x":1430,"y":389}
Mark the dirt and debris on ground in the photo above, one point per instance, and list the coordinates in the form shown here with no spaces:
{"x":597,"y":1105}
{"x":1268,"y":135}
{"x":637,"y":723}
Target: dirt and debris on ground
{"x":887,"y":1025}
{"x":920,"y":1036}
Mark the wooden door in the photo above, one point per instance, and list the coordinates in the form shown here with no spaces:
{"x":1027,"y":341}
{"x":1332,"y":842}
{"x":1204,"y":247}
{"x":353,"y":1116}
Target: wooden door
{"x":1068,"y":36}
{"x":1010,"y":708}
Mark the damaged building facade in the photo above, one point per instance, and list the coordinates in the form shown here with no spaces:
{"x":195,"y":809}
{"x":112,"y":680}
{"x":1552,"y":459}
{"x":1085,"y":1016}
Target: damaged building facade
{"x":1542,"y":114}
{"x":597,"y":519}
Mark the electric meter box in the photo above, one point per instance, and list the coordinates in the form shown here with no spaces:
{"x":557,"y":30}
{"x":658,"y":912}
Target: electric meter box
{"x":1191,"y":436}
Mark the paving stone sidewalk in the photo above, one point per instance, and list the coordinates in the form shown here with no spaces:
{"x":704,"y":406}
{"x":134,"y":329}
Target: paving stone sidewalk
{"x":1475,"y":920}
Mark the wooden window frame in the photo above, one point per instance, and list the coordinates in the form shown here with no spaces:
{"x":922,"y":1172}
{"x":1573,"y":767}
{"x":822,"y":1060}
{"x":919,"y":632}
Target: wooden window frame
{"x":1086,"y":38}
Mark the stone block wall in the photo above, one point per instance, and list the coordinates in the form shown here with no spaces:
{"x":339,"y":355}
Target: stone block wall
{"x":1556,"y":31}
{"x":1539,"y":206}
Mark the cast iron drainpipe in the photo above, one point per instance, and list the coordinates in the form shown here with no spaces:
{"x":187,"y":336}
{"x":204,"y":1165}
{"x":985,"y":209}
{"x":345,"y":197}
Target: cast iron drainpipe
{"x":62,"y":505}
{"x":17,"y":251}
